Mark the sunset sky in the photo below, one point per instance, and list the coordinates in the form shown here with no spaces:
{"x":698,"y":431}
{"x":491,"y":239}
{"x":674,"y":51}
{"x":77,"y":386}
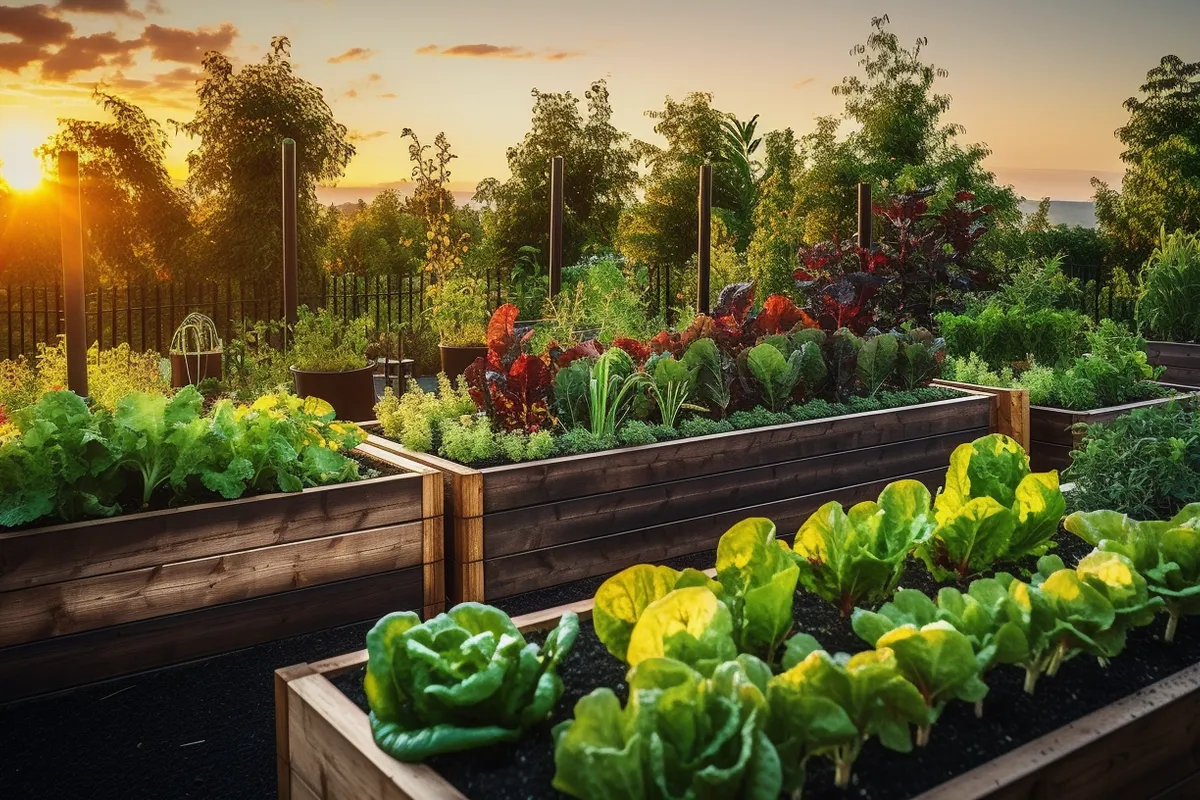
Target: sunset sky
{"x":1041,"y":83}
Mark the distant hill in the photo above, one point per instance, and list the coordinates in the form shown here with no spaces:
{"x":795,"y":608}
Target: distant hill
{"x":1066,"y":212}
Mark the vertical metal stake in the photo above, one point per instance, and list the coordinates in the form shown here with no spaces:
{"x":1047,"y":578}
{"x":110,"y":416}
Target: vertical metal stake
{"x":864,"y":215}
{"x":290,"y":238}
{"x":556,"y":225}
{"x":704,"y":241}
{"x":71,"y":225}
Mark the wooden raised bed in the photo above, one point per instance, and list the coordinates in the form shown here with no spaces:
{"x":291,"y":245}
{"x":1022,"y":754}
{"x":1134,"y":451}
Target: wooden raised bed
{"x":1053,"y":434}
{"x":1146,"y":745}
{"x":518,"y":528}
{"x":1181,"y":359}
{"x":91,"y":600}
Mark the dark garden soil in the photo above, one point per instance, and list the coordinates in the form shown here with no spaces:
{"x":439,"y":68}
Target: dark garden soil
{"x":960,"y":741}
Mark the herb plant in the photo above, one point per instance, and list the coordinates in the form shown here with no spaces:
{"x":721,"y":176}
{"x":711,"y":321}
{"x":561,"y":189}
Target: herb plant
{"x":1168,"y":287}
{"x":321,"y":342}
{"x":464,"y":679}
{"x":414,"y":418}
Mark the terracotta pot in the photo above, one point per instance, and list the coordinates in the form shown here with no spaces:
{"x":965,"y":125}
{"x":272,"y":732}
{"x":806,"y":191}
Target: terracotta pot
{"x":455,"y":360}
{"x":352,"y":393}
{"x":191,"y":368}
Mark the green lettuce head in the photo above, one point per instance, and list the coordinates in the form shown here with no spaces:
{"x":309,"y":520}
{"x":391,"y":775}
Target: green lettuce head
{"x":464,"y":679}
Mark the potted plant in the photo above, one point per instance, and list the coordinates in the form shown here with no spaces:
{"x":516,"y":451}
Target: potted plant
{"x":457,"y":312}
{"x":195,"y":352}
{"x":329,"y":361}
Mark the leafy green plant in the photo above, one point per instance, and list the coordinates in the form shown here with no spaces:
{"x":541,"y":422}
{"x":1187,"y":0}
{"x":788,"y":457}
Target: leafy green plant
{"x":1168,"y":286}
{"x":672,"y":386}
{"x":251,"y":367}
{"x":829,"y":706}
{"x":681,"y":736}
{"x":775,"y":373}
{"x":458,"y":311}
{"x":759,"y":578}
{"x":613,"y":381}
{"x":1145,"y":463}
{"x":414,"y":419}
{"x":856,"y":557}
{"x":877,"y":360}
{"x":972,"y":369}
{"x":690,"y":625}
{"x":940,"y":662}
{"x":20,"y":385}
{"x":992,"y":508}
{"x":714,"y":374}
{"x":920,"y":358}
{"x":1166,"y":553}
{"x":321,"y":342}
{"x":464,"y":679}
{"x":112,"y":373}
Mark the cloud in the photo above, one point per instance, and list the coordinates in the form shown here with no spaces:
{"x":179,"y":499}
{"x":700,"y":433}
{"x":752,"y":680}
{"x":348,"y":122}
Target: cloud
{"x":177,"y":79}
{"x":15,"y":55}
{"x":155,"y":7}
{"x":387,"y":96}
{"x":361,"y":136}
{"x":800,"y":84}
{"x":34,"y":25}
{"x":85,"y":53}
{"x":494,"y":51}
{"x":353,"y":54}
{"x":187,"y":46}
{"x":99,"y":7}
{"x":352,"y":93}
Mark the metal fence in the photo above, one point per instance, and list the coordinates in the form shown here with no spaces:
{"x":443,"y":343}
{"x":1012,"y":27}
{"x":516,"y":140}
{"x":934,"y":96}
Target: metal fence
{"x":1100,"y":297}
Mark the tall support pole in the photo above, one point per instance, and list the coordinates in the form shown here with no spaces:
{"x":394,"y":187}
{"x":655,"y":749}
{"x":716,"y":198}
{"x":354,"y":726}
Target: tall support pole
{"x":704,"y":241}
{"x":556,"y":225}
{"x":864,"y":215}
{"x":290,"y":238}
{"x":71,"y":230}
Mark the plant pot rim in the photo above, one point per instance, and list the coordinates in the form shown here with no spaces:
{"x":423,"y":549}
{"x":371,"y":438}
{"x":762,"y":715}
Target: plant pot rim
{"x":462,"y":346}
{"x":364,"y":368}
{"x":197,"y":352}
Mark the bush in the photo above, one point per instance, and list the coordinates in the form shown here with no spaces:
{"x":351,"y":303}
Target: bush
{"x":1145,"y":463}
{"x":112,"y":373}
{"x":1168,"y":304}
{"x":323,"y":343}
{"x":1002,"y":336}
{"x":415,"y":418}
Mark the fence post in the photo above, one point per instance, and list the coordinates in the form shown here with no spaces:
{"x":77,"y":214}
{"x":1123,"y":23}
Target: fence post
{"x":704,"y":241}
{"x":290,"y":290}
{"x":71,"y":231}
{"x":556,"y":224}
{"x":864,"y":215}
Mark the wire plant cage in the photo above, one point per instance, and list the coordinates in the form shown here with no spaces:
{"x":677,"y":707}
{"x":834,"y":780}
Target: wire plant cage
{"x":195,"y":350}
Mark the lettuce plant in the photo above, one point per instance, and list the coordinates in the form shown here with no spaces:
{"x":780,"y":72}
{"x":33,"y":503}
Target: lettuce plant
{"x":940,"y":662}
{"x":681,"y":736}
{"x":829,"y":706}
{"x":1166,"y":553}
{"x":858,"y":557}
{"x":751,"y":602}
{"x":877,"y":359}
{"x":464,"y":679}
{"x":775,"y":373}
{"x":992,"y":508}
{"x":714,"y":374}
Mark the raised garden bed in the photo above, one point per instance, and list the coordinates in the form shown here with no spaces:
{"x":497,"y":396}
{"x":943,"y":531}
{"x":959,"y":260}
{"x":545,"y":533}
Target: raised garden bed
{"x":518,"y":528}
{"x":1053,"y":434}
{"x":1181,"y":359}
{"x":91,"y":600}
{"x":1144,"y":744}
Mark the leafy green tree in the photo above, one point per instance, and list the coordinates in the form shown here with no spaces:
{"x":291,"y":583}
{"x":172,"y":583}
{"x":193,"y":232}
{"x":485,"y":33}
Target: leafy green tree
{"x":901,"y":140}
{"x":599,"y":182}
{"x":771,"y":256}
{"x":242,"y":119}
{"x":1162,"y":150}
{"x":136,"y":220}
{"x":378,"y":239}
{"x":740,"y":145}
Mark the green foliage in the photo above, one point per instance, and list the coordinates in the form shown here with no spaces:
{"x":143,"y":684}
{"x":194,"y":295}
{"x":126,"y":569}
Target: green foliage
{"x":702,"y":426}
{"x":758,"y":576}
{"x":1161,"y":185}
{"x":775,"y":374}
{"x":714,"y":374}
{"x":1145,"y":463}
{"x":1039,"y":284}
{"x":849,"y":558}
{"x":458,"y":311}
{"x":20,"y":385}
{"x":1166,"y":553}
{"x":877,"y":359}
{"x":681,"y":736}
{"x":464,"y":679}
{"x":1002,"y":337}
{"x":321,"y":342}
{"x":1168,"y":287}
{"x":830,"y":706}
{"x":251,"y":367}
{"x":613,"y":383}
{"x":689,"y":624}
{"x":972,"y":369}
{"x":414,"y":419}
{"x":672,"y":386}
{"x":771,"y":254}
{"x":992,"y":508}
{"x":113,"y":373}
{"x":69,"y":463}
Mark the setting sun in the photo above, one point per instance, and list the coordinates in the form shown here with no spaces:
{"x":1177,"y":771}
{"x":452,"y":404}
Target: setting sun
{"x":19,"y":167}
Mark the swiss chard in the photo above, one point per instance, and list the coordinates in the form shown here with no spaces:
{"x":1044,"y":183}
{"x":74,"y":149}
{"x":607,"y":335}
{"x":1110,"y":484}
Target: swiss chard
{"x":759,"y":578}
{"x":464,"y":679}
{"x":774,"y":373}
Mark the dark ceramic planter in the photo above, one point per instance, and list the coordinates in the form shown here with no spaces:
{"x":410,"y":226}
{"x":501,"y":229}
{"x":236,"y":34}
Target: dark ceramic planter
{"x":188,"y":369}
{"x":352,"y":393}
{"x":455,"y":360}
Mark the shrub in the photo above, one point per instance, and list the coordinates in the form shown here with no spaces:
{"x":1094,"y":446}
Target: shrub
{"x":414,"y":419}
{"x":323,"y":343}
{"x":112,"y":373}
{"x":1169,"y":287}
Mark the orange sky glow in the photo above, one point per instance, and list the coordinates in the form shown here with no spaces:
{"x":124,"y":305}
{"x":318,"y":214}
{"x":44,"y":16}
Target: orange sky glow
{"x":1041,"y":83}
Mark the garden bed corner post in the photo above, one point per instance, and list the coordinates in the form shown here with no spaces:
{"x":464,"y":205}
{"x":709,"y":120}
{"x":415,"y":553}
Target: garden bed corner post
{"x":71,"y":224}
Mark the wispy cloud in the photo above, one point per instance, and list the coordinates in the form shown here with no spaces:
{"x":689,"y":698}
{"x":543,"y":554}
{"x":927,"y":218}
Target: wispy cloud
{"x":513,"y":52}
{"x":119,"y":7}
{"x":800,"y":84}
{"x":187,"y":46}
{"x":366,"y":136}
{"x":353,"y":54}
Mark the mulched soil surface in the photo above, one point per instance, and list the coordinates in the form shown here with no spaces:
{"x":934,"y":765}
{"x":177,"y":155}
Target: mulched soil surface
{"x":206,"y":729}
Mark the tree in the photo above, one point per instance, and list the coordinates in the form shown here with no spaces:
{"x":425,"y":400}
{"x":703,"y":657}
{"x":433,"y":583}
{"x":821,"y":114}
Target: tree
{"x":378,"y":239}
{"x":137,"y":222}
{"x":660,"y":232}
{"x":771,"y":255}
{"x":599,"y":182}
{"x":1162,"y":150}
{"x":739,"y":146}
{"x":242,"y":119}
{"x":901,"y":141}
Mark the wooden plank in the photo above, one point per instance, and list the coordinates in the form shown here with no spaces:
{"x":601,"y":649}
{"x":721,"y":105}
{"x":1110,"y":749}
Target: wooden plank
{"x":1174,"y":354}
{"x":557,"y":479}
{"x":332,"y":749}
{"x":468,"y":584}
{"x":1045,"y":456}
{"x":1134,"y":747}
{"x":546,"y":525}
{"x":90,"y":603}
{"x":99,"y":547}
{"x":298,"y":789}
{"x":283,"y":776}
{"x":1010,"y":412}
{"x":551,"y":566}
{"x":1052,"y":425}
{"x":66,"y":661}
{"x":1186,"y":789}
